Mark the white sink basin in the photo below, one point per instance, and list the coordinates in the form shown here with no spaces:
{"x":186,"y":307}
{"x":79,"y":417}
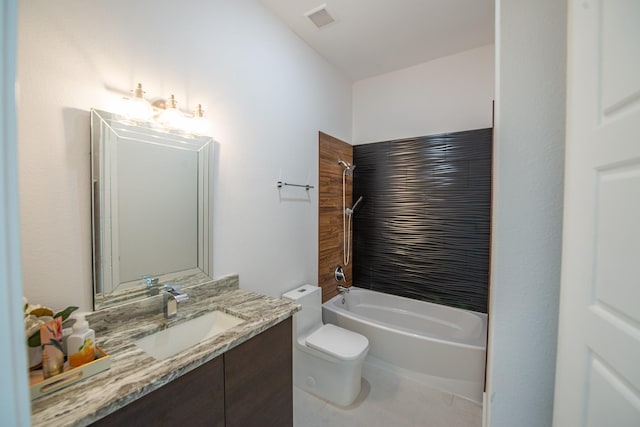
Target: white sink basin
{"x":180,"y":337}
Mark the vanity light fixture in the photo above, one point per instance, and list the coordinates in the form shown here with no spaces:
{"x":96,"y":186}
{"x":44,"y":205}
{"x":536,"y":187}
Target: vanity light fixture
{"x":164,"y":114}
{"x":138,"y":108}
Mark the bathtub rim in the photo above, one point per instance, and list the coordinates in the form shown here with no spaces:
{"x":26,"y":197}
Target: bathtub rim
{"x":332,"y":306}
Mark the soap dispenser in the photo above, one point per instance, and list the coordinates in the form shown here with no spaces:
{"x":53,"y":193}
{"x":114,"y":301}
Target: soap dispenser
{"x":80,"y":344}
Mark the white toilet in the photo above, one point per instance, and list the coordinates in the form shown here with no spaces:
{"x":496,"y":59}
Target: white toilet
{"x":327,"y":359}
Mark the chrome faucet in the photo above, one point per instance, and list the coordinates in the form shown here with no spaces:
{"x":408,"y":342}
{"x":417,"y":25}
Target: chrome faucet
{"x":150,"y":280}
{"x":172,"y":296}
{"x":153,"y":285}
{"x":340,"y":275}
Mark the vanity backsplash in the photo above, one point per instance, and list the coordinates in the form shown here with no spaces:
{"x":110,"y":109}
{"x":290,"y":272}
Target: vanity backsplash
{"x":197,"y":285}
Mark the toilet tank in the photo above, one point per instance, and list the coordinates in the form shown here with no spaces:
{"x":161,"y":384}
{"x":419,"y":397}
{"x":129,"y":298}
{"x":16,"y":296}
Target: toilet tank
{"x":309,"y":318}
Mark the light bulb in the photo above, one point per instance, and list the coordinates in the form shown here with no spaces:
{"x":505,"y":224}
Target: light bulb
{"x":138,"y":108}
{"x":198,"y":125}
{"x":172,"y":118}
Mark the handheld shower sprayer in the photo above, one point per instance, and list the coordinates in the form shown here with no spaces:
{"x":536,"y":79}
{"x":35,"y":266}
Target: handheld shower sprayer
{"x":350,"y":211}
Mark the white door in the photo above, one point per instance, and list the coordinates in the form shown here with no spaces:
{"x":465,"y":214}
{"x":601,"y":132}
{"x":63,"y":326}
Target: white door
{"x":598,"y":367}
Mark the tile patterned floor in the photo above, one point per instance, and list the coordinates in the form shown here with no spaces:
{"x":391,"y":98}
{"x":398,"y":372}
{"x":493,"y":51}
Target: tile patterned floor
{"x":388,"y":400}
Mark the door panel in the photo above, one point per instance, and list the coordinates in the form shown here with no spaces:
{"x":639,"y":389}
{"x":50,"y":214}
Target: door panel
{"x":610,"y":402}
{"x":619,"y":55}
{"x":618,"y":240}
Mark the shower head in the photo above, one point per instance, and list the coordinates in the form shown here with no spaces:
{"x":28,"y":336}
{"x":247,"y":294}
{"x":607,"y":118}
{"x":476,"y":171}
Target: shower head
{"x":348,"y":168}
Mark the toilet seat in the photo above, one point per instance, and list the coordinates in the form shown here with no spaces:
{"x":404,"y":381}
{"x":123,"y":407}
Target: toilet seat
{"x":338,"y":342}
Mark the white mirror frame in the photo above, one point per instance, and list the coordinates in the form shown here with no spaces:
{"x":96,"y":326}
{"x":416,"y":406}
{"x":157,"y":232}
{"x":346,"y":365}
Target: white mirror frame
{"x":107,"y":131}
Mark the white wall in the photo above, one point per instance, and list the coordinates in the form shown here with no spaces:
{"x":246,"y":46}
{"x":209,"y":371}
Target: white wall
{"x":266,"y":91}
{"x":453,"y":93}
{"x":527,"y":211}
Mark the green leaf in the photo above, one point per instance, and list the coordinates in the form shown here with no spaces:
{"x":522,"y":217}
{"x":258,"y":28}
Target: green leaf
{"x":34,"y":340}
{"x":65,"y":313}
{"x":56,"y":344}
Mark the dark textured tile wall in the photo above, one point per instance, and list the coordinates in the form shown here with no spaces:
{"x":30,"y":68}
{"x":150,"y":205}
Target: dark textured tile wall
{"x":423,"y":228}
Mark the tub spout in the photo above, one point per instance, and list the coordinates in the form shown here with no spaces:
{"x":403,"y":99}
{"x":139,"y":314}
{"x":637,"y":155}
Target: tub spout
{"x":343,"y":289}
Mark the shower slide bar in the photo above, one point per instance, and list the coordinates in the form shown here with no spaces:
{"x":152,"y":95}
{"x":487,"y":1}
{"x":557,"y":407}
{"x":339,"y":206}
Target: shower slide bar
{"x":305,"y":186}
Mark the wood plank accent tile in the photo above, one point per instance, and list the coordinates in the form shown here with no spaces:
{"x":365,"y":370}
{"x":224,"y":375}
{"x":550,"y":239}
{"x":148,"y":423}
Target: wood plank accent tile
{"x":330,"y":243}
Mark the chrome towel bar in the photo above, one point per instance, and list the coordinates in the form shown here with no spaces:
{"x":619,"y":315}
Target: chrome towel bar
{"x":305,"y":186}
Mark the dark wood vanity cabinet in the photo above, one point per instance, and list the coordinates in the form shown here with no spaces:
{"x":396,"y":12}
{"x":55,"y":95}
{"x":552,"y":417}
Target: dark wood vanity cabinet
{"x":258,"y":380}
{"x":194,"y":399}
{"x":250,"y":385}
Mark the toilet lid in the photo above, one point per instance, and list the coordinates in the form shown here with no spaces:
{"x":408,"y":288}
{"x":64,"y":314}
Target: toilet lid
{"x":338,"y":342}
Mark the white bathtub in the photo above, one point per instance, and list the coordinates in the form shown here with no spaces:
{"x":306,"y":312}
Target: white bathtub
{"x":440,"y":345}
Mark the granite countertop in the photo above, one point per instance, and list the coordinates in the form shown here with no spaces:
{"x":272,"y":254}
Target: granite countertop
{"x":133,"y":373}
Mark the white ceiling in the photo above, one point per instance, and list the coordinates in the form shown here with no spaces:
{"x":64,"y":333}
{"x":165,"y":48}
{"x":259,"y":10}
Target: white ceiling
{"x":372,"y":37}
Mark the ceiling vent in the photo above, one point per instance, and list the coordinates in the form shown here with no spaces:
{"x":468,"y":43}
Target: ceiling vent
{"x":320,"y":16}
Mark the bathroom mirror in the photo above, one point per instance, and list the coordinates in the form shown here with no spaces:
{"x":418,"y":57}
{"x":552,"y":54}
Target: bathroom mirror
{"x":150,"y":208}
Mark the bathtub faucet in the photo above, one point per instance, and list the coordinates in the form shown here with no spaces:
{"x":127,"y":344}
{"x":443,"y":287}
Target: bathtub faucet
{"x":343,"y":289}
